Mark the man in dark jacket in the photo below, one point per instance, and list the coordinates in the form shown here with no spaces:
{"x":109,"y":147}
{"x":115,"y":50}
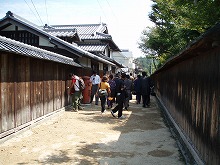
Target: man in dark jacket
{"x":129,"y":87}
{"x":137,"y":88}
{"x":120,"y":96}
{"x":145,"y":89}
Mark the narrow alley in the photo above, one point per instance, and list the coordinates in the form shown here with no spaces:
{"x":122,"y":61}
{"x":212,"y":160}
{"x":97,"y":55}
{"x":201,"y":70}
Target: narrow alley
{"x":87,"y":137}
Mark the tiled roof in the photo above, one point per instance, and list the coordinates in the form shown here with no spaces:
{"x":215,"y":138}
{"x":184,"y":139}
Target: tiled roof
{"x":10,"y":17}
{"x":93,"y":47}
{"x":84,"y":28}
{"x":96,"y":36}
{"x":61,"y":33}
{"x":91,"y":32}
{"x":13,"y":46}
{"x":86,"y":31}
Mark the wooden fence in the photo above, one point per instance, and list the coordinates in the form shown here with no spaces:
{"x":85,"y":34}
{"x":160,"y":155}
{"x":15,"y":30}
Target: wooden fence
{"x":30,"y":89}
{"x":189,"y":88}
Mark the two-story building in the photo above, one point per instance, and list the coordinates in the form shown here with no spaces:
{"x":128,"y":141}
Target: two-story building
{"x":88,"y":45}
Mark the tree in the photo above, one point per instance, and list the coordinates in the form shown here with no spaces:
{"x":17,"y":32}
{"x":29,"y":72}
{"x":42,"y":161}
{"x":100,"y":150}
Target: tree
{"x":177,"y":22}
{"x":145,"y":64}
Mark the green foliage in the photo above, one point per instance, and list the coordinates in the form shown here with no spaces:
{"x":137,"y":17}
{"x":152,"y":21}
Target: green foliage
{"x":177,"y":22}
{"x":147,"y":64}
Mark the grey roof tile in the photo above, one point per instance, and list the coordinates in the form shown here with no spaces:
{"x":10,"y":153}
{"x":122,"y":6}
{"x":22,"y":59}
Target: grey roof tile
{"x":84,"y":28}
{"x":87,"y":31}
{"x":61,"y":33}
{"x":13,"y":46}
{"x":93,"y":47}
{"x":80,"y":52}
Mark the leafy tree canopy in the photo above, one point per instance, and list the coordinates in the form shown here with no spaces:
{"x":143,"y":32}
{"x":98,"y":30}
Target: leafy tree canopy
{"x":177,"y":22}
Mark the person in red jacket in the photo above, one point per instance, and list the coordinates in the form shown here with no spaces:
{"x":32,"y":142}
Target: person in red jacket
{"x":75,"y":92}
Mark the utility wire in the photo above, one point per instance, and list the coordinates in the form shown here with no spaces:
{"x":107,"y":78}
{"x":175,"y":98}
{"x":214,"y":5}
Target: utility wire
{"x":46,"y":11}
{"x":112,"y":10}
{"x":102,"y":10}
{"x":32,"y":10}
{"x":37,"y":13}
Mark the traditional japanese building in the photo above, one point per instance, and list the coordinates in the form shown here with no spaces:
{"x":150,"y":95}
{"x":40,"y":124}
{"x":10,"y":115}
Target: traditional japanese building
{"x":88,"y":45}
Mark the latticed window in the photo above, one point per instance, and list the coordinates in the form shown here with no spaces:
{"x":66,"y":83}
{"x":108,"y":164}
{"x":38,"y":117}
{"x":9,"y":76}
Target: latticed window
{"x":22,"y":36}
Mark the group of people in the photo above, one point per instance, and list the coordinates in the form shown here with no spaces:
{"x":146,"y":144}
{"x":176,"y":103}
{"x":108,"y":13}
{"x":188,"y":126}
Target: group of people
{"x":115,"y":92}
{"x":142,"y":88}
{"x":112,"y":90}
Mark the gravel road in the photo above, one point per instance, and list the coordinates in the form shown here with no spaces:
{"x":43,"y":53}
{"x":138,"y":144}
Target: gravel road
{"x":87,"y":137}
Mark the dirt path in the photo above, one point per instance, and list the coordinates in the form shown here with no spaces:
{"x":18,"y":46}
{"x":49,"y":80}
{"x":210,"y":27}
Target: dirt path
{"x":87,"y":137}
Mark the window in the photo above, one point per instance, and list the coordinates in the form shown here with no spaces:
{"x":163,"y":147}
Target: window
{"x":22,"y":36}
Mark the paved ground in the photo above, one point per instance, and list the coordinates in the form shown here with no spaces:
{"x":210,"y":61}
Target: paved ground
{"x":87,"y":137}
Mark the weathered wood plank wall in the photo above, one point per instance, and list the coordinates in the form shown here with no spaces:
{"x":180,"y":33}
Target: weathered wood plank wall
{"x":190,"y":91}
{"x":30,"y":88}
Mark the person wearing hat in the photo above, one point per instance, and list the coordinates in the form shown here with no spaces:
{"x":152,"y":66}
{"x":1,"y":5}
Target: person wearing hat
{"x":105,"y":88}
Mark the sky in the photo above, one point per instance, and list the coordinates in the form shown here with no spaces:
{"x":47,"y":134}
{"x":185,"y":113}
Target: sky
{"x":125,"y":19}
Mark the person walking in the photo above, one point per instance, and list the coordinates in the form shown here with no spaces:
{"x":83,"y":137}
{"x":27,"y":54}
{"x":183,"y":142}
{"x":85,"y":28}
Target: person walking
{"x":95,"y":79}
{"x":131,"y":77}
{"x":120,"y":96}
{"x":129,"y":86}
{"x":145,"y":89}
{"x":75,"y":92}
{"x":137,"y":89}
{"x":103,"y":91}
{"x":111,"y":99}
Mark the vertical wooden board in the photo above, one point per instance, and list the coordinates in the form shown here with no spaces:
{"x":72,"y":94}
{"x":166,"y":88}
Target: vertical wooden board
{"x":40,"y":89}
{"x":48,"y":89}
{"x":11,"y":92}
{"x":27,"y":91}
{"x":55,"y":87}
{"x":31,"y":91}
{"x":32,"y":88}
{"x":215,"y":125}
{"x":48,"y":96}
{"x":218,"y":106}
{"x":58,"y":86}
{"x":7,"y":92}
{"x":3,"y":91}
{"x":63,"y":93}
{"x":51,"y":95}
{"x":46,"y":99}
{"x":19,"y":97}
{"x":37,"y":88}
{"x":64,"y":84}
{"x":198,"y":100}
{"x":22,"y":102}
{"x":1,"y":56}
{"x":56,"y":98}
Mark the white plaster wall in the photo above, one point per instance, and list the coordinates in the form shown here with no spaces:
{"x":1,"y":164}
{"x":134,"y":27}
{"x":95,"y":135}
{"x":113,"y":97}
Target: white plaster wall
{"x":85,"y":61}
{"x":11,"y":28}
{"x":45,"y":42}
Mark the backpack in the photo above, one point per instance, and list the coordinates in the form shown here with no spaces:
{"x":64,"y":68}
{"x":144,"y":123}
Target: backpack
{"x":81,"y":84}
